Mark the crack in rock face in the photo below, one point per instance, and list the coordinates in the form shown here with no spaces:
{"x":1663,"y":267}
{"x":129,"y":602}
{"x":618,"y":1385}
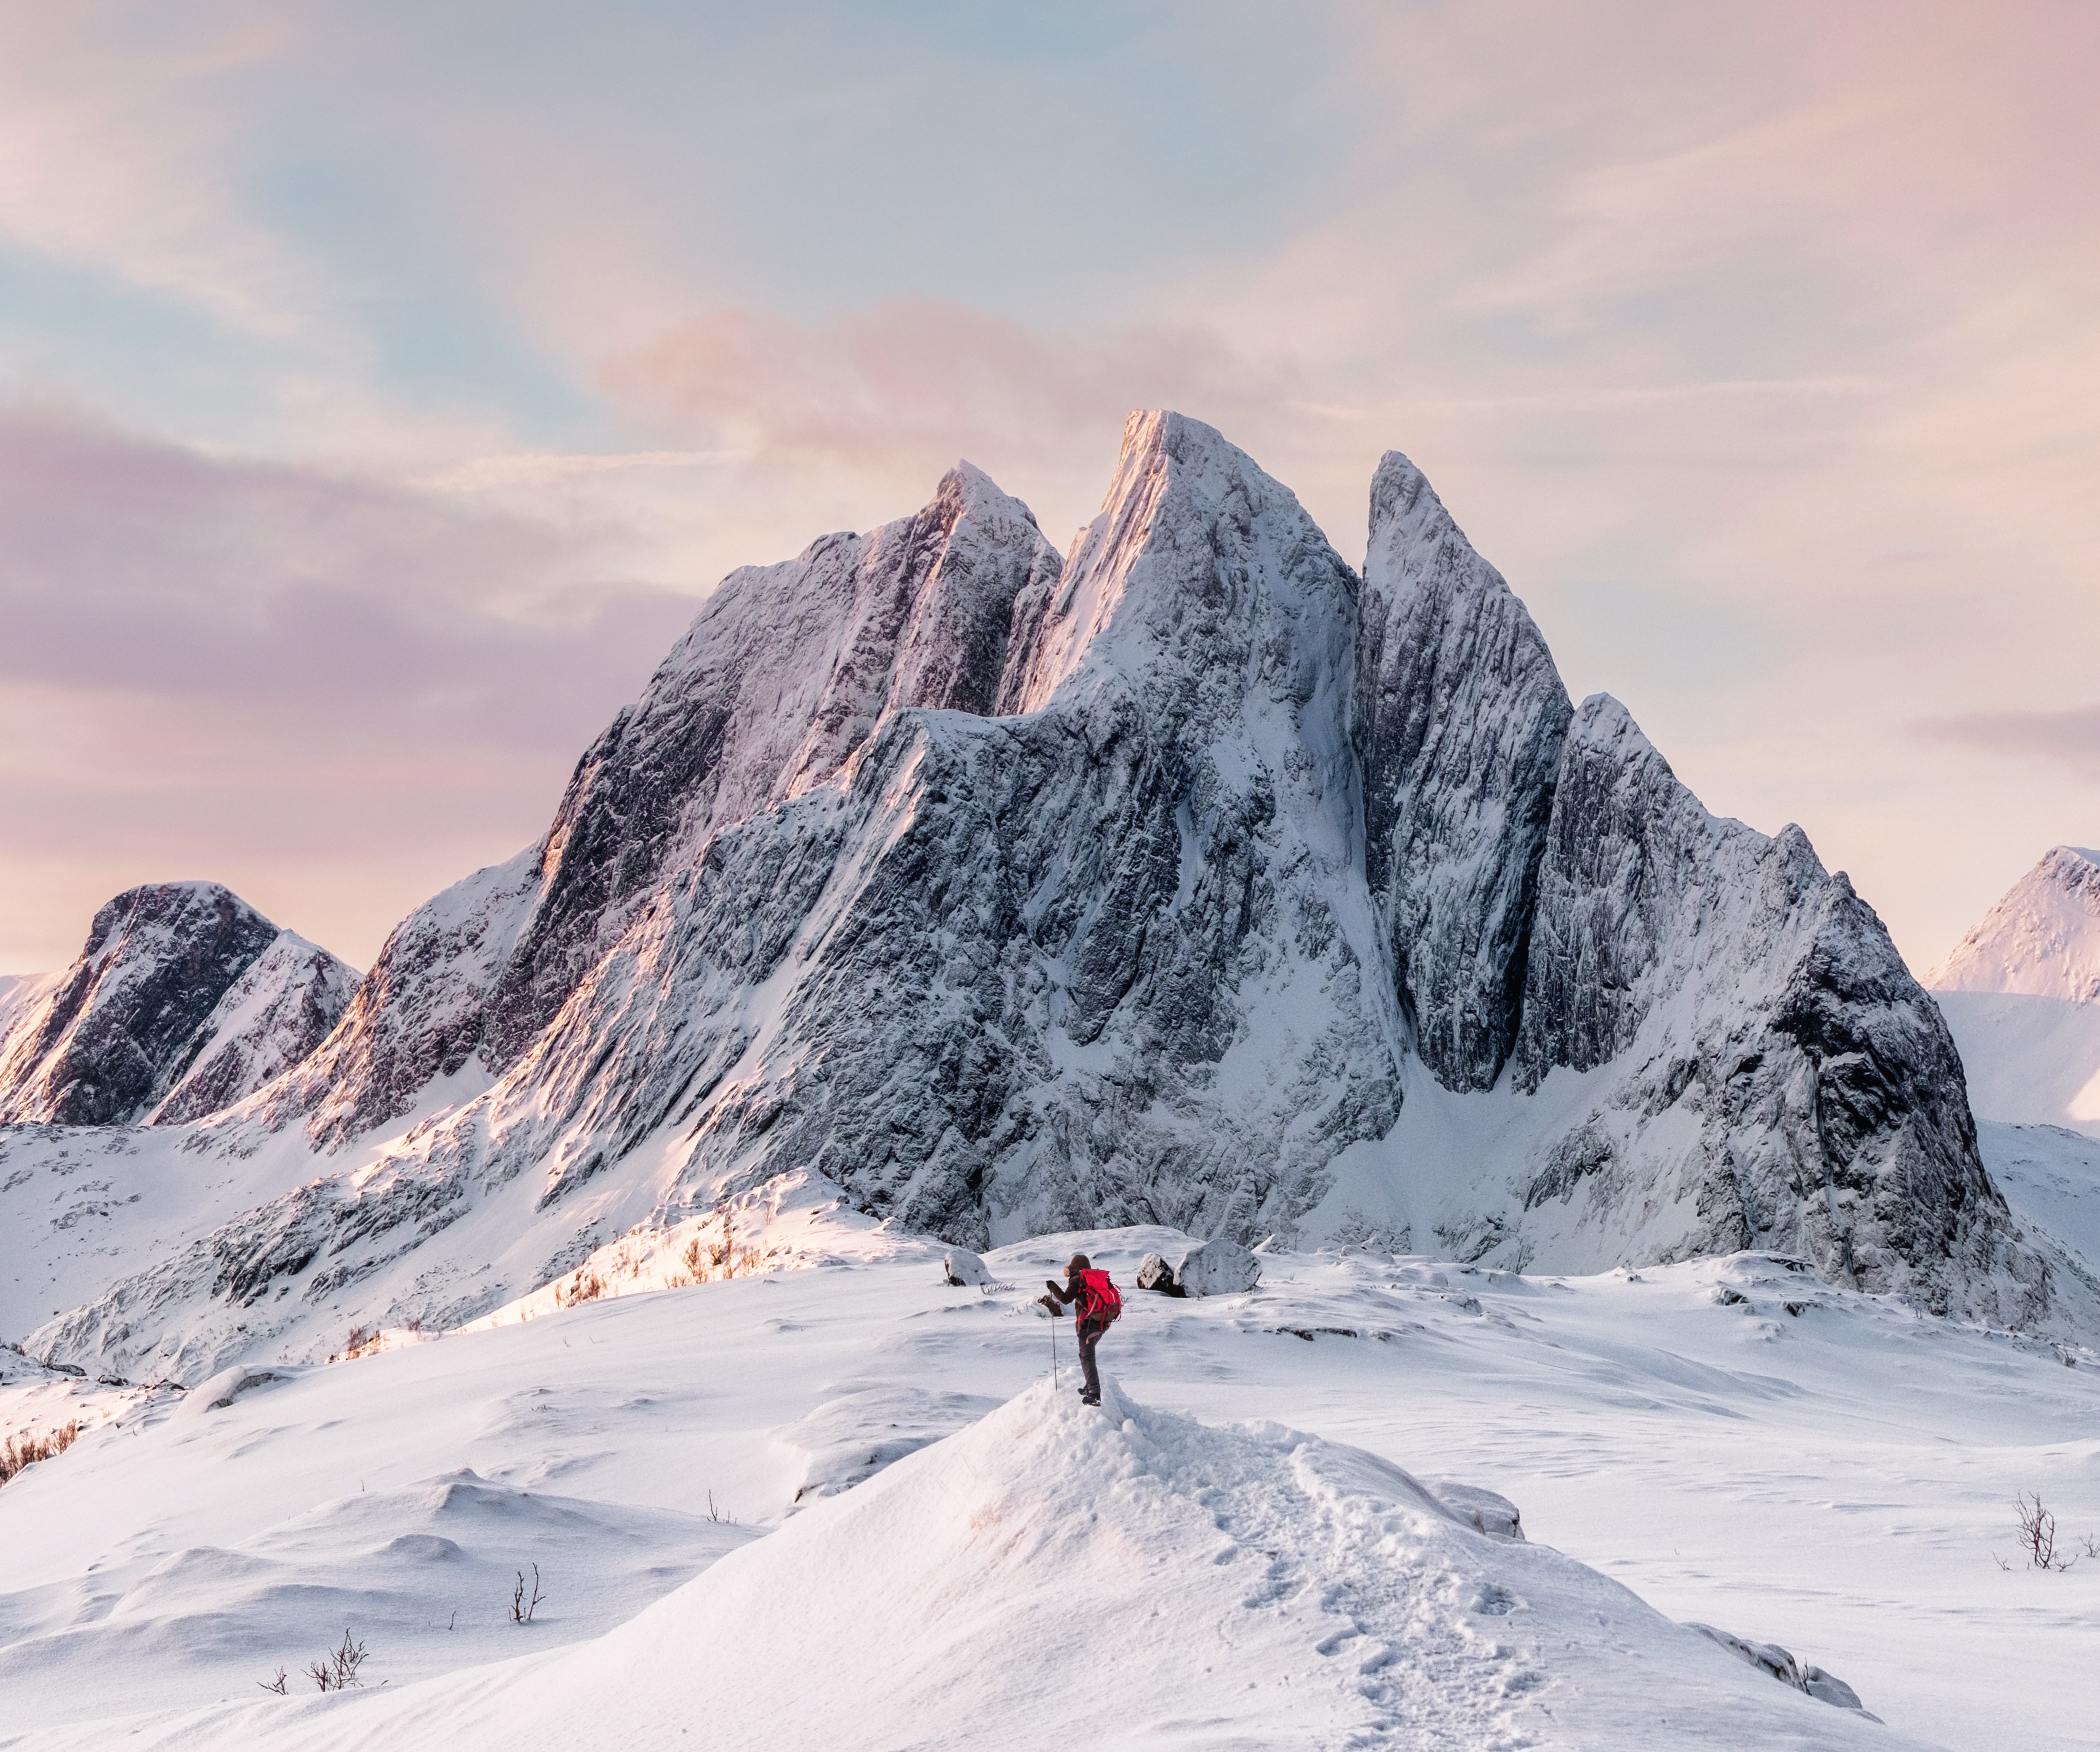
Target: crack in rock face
{"x":1013,"y":894}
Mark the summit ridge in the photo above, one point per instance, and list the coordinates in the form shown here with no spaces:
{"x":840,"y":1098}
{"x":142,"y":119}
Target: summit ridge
{"x":1194,"y":879}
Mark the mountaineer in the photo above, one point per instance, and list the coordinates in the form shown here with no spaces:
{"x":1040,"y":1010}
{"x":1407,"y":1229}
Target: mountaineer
{"x":1100,"y":1302}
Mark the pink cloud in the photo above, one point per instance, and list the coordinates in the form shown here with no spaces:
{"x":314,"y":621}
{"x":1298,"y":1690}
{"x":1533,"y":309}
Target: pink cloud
{"x":2072,"y":738}
{"x":899,"y":391}
{"x":217,"y":667}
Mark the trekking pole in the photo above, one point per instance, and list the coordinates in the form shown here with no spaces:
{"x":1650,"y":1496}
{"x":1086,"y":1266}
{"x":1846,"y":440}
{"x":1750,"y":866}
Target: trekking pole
{"x":1053,"y":1350}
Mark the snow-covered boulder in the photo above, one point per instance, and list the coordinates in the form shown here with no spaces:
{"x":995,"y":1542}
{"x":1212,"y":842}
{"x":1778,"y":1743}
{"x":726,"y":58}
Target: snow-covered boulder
{"x":1155,"y":1273}
{"x":963,"y":1268}
{"x":1217,"y":1267}
{"x":1788,"y":1669}
{"x":1482,"y":1510}
{"x":230,"y":1384}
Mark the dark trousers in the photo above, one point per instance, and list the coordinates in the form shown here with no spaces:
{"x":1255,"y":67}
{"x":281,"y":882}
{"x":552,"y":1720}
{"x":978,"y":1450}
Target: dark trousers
{"x":1090,"y":1335}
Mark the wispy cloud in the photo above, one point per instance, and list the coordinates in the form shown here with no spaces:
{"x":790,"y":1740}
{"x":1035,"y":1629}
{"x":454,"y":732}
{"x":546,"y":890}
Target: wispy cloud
{"x":2070,"y":738}
{"x":277,"y":676}
{"x":892,"y":396}
{"x":117,"y":155}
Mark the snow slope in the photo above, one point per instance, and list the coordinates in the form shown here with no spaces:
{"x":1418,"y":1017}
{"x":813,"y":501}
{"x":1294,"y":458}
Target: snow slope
{"x":2041,"y":940}
{"x":1735,"y":1442}
{"x":2050,"y":1175}
{"x":2021,"y":994}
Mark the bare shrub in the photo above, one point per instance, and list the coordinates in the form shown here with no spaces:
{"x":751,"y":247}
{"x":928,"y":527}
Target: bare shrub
{"x":584,"y":1287}
{"x":716,"y":1513}
{"x":336,"y":1670}
{"x":2038,"y":1534}
{"x":522,"y":1609}
{"x":707,"y":1258}
{"x":362,"y":1342}
{"x":277,"y":1685}
{"x":20,"y":1451}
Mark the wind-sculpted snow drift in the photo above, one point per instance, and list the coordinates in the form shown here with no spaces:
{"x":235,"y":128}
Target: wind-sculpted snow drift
{"x":1192,"y":879}
{"x":1053,"y":1575}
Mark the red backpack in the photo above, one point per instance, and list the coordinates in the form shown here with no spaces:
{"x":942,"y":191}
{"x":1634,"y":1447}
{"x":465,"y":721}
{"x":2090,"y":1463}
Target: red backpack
{"x":1100,"y":1300}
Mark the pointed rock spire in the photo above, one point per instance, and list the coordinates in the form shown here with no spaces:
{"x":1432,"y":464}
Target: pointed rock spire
{"x":1459,"y":715}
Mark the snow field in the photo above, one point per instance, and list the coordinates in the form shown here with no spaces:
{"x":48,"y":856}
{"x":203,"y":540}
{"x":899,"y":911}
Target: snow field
{"x":1831,"y":1478}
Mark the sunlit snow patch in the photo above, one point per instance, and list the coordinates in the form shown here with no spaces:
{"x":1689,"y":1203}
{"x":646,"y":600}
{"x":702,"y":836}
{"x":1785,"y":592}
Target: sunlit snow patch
{"x":791,"y":1222}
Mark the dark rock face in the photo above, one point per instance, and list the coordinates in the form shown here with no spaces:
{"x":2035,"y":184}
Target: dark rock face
{"x":1015,"y":958}
{"x":782,"y":678}
{"x":125,"y":1023}
{"x":284,"y":1005}
{"x":1772,"y":1075}
{"x":1460,"y":718}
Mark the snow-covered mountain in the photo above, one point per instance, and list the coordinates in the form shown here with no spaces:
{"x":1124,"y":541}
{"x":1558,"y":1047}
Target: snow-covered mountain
{"x":2021,"y":994}
{"x":1193,"y":880}
{"x":184,"y":1000}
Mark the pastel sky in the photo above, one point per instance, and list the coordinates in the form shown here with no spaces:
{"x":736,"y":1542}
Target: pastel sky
{"x":381,"y":385}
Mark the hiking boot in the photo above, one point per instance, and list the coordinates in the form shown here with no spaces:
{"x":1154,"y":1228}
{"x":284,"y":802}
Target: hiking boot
{"x":1090,"y":1399}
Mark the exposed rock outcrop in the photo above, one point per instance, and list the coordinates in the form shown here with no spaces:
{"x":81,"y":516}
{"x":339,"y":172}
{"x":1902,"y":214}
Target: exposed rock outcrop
{"x":184,"y":999}
{"x":1767,"y":1073}
{"x":784,"y":677}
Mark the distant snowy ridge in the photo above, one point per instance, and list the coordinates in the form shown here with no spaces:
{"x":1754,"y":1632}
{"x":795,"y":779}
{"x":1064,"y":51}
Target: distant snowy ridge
{"x":1194,"y":879}
{"x":183,"y":1000}
{"x":2021,"y":993}
{"x":2042,"y":940}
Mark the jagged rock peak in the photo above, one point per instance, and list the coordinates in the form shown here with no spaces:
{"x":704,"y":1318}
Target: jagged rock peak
{"x":1159,"y":591}
{"x":776,"y":689}
{"x":2042,"y":940}
{"x":1770,"y":1074}
{"x":1458,"y":720}
{"x":284,"y":1005}
{"x":124,"y":1029}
